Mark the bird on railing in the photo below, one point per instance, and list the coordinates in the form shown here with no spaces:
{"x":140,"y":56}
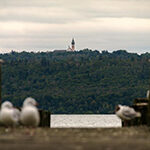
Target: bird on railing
{"x":29,"y":113}
{"x":9,"y":116}
{"x":126,"y":112}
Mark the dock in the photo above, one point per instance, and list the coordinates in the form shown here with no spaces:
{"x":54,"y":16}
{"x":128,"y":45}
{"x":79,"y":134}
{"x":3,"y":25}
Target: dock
{"x":127,"y":138}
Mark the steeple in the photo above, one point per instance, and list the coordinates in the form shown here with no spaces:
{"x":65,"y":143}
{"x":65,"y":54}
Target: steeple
{"x":73,"y":44}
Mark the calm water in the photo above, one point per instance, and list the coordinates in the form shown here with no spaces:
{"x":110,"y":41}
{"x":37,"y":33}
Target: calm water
{"x":89,"y":121}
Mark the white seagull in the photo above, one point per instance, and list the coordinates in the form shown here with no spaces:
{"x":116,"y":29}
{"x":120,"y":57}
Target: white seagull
{"x":29,"y":113}
{"x":9,"y":116}
{"x":126,"y":112}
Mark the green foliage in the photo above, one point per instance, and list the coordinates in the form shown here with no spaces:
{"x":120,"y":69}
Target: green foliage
{"x":75,"y":82}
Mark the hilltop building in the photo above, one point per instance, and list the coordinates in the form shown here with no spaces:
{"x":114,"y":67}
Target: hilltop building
{"x":70,"y":48}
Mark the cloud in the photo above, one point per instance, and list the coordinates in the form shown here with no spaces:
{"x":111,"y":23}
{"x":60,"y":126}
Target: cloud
{"x":64,"y":11}
{"x":123,"y":25}
{"x":102,"y":33}
{"x":50,"y":24}
{"x":39,"y":15}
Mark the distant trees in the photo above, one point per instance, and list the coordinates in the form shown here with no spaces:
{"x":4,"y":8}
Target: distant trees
{"x":75,"y":82}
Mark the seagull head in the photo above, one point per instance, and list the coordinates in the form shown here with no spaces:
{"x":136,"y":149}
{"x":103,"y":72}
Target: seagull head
{"x":7,"y":104}
{"x":29,"y":101}
{"x":118,"y":107}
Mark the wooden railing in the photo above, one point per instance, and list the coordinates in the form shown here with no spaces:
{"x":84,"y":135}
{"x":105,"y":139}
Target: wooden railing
{"x":141,"y":105}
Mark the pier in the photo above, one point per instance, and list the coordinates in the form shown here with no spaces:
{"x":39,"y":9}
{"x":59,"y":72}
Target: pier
{"x":76,"y":139}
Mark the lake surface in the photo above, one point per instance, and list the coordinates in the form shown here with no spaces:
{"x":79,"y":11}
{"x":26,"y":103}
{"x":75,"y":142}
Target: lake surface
{"x":85,"y":121}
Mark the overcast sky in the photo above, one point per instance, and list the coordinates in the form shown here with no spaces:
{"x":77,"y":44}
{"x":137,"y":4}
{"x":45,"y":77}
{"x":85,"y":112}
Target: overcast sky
{"x":36,"y":25}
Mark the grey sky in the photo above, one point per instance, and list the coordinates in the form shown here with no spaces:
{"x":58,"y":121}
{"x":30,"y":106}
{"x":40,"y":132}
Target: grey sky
{"x":97,"y":24}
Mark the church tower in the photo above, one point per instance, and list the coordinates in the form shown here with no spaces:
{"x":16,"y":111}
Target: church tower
{"x":73,"y":45}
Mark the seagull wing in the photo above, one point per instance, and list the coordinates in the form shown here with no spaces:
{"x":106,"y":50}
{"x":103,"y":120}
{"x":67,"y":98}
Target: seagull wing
{"x":129,"y":113}
{"x":16,"y":115}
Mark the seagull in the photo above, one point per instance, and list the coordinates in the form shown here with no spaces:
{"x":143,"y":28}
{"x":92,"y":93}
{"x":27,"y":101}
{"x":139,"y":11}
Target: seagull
{"x":126,"y":112}
{"x":29,"y":113}
{"x":9,"y":116}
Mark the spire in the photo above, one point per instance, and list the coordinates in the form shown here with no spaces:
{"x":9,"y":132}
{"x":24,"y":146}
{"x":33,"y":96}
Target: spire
{"x":73,"y":42}
{"x":73,"y":45}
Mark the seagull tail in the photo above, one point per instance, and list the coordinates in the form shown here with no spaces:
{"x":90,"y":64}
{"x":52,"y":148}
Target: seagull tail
{"x":138,"y":114}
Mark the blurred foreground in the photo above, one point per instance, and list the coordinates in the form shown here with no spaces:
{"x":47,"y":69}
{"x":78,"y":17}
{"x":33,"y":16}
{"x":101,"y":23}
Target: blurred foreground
{"x":75,"y":139}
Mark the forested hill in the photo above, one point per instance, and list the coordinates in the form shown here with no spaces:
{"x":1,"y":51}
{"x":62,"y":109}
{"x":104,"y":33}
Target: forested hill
{"x":75,"y":82}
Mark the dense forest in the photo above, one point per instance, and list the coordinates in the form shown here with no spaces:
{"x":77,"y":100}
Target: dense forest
{"x":75,"y":82}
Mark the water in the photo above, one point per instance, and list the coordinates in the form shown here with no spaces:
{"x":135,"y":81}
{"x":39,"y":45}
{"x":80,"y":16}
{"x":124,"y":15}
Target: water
{"x":85,"y":121}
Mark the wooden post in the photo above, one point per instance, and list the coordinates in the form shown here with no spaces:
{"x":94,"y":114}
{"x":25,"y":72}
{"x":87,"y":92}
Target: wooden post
{"x":45,"y":117}
{"x":148,"y":112}
{"x":141,"y":105}
{"x":1,"y":61}
{"x":0,"y":84}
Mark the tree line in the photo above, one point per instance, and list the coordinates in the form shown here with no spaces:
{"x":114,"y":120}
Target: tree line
{"x":77,"y":82}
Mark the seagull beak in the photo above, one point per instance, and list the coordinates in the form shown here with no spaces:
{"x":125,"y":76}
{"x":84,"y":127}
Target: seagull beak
{"x":37,"y":104}
{"x":117,"y":108}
